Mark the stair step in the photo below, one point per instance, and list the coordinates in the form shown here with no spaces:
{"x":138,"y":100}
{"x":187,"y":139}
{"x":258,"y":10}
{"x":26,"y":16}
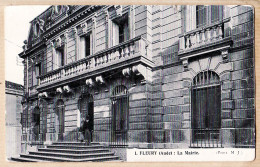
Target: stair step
{"x":73,"y":151}
{"x":75,"y":147}
{"x":61,"y":159}
{"x":22,"y":159}
{"x":74,"y":143}
{"x":74,"y":156}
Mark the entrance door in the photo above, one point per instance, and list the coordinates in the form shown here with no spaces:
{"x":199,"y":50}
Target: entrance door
{"x":206,"y":110}
{"x":36,"y":124}
{"x":119,"y":122}
{"x":87,"y":109}
{"x":60,"y":119}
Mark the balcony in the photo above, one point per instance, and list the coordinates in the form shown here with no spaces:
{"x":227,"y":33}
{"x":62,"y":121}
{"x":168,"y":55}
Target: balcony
{"x":131,"y":52}
{"x":206,"y":39}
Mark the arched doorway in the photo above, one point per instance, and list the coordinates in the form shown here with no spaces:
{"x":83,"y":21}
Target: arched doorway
{"x":59,"y":119}
{"x":119,"y":121}
{"x":86,"y":108}
{"x":36,"y":123}
{"x":206,"y":110}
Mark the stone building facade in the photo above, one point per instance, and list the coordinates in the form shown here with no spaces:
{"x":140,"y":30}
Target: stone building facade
{"x":13,"y":109}
{"x":148,"y":76}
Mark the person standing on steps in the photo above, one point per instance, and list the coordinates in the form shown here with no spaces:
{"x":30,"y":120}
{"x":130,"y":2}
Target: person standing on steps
{"x":85,"y":132}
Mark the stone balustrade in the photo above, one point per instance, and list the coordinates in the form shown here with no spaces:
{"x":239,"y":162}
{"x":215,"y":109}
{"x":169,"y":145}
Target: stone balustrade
{"x":203,"y":35}
{"x":131,"y":48}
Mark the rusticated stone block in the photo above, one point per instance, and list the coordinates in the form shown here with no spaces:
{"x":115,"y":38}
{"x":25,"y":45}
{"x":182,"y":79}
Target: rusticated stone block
{"x":156,"y":125}
{"x":227,"y":85}
{"x":138,"y":136}
{"x":239,"y":84}
{"x":225,"y":95}
{"x":226,"y":114}
{"x":138,"y":126}
{"x":174,"y":136}
{"x":228,"y":104}
{"x":157,"y":136}
{"x":172,"y":109}
{"x":139,"y":103}
{"x":172,"y":118}
{"x":245,"y":137}
{"x":172,"y":125}
{"x":139,"y":111}
{"x":244,"y":123}
{"x":139,"y":118}
{"x":227,"y":123}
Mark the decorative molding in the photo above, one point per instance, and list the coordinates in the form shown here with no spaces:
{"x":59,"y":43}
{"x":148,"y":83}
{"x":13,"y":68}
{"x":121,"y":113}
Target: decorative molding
{"x":185,"y":64}
{"x":67,"y":89}
{"x":144,"y":71}
{"x":224,"y":54}
{"x":126,"y":72}
{"x":100,"y":79}
{"x":59,"y":90}
{"x":89,"y":82}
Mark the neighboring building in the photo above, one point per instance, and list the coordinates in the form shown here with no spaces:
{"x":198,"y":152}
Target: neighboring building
{"x":13,"y":110}
{"x":147,"y":76}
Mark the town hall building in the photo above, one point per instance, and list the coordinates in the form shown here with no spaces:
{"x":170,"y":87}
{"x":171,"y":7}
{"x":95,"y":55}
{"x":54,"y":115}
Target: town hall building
{"x":147,"y":76}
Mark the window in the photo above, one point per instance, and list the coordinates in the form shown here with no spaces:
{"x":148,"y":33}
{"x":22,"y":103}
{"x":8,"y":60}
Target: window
{"x":85,"y":46}
{"x":59,"y":120}
{"x":119,"y":122}
{"x":206,"y":110}
{"x":36,"y":72}
{"x":208,"y":14}
{"x":59,"y":58}
{"x":121,"y":30}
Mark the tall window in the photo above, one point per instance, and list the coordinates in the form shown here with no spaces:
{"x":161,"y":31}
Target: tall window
{"x":59,"y":122}
{"x":36,"y":123}
{"x":119,"y":126}
{"x":206,"y":110}
{"x":85,"y":46}
{"x":60,"y":57}
{"x":208,"y":14}
{"x":121,"y":30}
{"x":36,"y":72}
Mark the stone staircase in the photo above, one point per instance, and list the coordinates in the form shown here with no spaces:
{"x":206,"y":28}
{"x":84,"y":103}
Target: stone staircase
{"x":69,"y":152}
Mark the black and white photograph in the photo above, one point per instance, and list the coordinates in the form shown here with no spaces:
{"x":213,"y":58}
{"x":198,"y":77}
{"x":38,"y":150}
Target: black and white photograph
{"x":129,"y":83}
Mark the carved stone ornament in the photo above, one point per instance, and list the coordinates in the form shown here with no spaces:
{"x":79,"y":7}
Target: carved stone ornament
{"x":118,"y":9}
{"x":59,"y":90}
{"x":67,"y":89}
{"x":185,"y":64}
{"x":224,"y":54}
{"x":89,"y":82}
{"x":127,"y":71}
{"x":43,"y":94}
{"x":100,"y":79}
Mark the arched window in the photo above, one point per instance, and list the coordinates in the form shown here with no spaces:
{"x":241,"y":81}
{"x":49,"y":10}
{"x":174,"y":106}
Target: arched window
{"x":119,"y":126}
{"x":206,"y":110}
{"x":59,"y":121}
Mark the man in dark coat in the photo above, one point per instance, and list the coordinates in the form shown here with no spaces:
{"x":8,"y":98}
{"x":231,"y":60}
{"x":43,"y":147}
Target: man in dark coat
{"x":84,"y":129}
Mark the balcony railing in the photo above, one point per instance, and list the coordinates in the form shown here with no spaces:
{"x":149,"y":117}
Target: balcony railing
{"x":204,"y":36}
{"x":124,"y":51}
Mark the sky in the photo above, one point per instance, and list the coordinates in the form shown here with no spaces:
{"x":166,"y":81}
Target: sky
{"x":17,"y":24}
